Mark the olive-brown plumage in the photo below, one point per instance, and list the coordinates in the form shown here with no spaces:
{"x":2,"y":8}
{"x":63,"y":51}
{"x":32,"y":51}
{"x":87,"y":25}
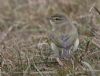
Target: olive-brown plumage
{"x":63,"y":36}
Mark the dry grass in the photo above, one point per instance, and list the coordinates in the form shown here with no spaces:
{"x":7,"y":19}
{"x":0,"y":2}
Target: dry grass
{"x":24,"y":45}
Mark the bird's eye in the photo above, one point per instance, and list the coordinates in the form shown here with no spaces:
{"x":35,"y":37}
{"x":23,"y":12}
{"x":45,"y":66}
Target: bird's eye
{"x":57,"y":18}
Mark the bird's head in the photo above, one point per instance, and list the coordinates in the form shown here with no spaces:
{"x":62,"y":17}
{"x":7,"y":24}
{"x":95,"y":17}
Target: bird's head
{"x":58,"y":21}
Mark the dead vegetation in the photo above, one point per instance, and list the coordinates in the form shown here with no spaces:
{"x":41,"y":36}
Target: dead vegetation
{"x":24,"y":46}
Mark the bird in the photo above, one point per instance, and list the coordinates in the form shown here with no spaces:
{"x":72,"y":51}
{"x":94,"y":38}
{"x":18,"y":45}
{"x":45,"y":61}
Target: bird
{"x":63,"y":37}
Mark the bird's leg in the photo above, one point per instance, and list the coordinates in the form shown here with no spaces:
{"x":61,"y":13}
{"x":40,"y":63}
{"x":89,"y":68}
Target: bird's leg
{"x":59,"y":62}
{"x":76,"y":44}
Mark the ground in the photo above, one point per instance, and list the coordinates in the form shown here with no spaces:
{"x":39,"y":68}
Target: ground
{"x":24,"y":43}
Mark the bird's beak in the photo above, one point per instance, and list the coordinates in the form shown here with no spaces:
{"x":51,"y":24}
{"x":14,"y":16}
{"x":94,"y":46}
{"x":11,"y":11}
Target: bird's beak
{"x":48,"y":18}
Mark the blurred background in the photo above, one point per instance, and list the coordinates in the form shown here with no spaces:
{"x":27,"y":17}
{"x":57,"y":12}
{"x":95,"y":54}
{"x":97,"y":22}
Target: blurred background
{"x":24,"y":46}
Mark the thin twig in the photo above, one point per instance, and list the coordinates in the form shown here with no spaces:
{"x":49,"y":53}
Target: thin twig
{"x":93,"y":5}
{"x":85,"y":52}
{"x":41,"y":74}
{"x":38,"y":70}
{"x":0,"y":65}
{"x":97,"y":10}
{"x":89,"y":67}
{"x":29,"y":65}
{"x":6,"y":33}
{"x":96,"y":52}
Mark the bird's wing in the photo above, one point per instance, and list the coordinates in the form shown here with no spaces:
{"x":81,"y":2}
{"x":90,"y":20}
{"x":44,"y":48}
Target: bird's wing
{"x":63,"y":40}
{"x":68,"y":41}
